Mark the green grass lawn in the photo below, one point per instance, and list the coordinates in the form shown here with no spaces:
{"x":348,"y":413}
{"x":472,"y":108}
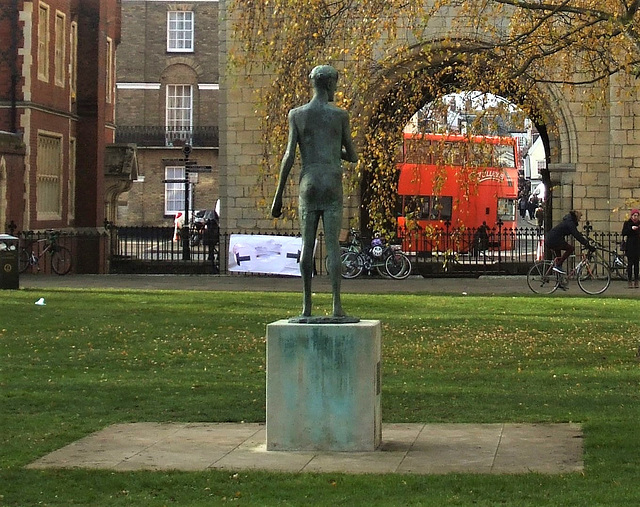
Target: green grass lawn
{"x":92,"y":358}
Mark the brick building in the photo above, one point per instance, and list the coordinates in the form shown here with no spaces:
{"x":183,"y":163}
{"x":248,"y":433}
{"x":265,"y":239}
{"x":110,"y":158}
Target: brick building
{"x":57,"y":95}
{"x":167,"y":96}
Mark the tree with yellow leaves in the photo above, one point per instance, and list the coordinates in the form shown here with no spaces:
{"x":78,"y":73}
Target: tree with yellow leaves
{"x":397,"y":55}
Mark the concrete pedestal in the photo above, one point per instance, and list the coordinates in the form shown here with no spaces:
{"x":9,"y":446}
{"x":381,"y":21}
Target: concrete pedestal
{"x":323,"y":386}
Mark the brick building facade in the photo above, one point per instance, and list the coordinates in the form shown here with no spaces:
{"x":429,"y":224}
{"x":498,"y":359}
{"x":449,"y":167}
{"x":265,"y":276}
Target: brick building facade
{"x":57,"y":92}
{"x":167,"y":96}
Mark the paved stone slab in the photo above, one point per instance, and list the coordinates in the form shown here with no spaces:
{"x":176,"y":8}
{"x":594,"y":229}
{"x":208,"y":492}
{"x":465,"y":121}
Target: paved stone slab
{"x":406,"y":449}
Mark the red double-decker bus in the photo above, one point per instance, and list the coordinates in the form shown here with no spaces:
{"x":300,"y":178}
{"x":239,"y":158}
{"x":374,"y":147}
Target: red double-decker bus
{"x":466,"y":181}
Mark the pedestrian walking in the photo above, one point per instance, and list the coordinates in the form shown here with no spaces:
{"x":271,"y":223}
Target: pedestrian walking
{"x":522,"y":206}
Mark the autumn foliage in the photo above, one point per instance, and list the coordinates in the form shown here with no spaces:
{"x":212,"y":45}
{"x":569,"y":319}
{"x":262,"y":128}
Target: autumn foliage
{"x":394,"y":57}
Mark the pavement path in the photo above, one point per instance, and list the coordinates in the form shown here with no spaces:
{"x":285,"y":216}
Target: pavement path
{"x":405,"y":449}
{"x":484,"y":285}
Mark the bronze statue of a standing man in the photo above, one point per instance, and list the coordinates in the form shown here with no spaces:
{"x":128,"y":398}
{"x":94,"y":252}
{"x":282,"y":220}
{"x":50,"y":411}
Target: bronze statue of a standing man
{"x":323,"y":133}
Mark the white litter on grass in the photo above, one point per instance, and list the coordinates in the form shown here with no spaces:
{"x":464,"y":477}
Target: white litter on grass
{"x":41,"y":302}
{"x":464,"y":293}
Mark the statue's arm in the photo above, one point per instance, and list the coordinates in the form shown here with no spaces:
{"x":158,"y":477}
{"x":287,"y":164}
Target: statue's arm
{"x":348,"y":149}
{"x":285,"y":167}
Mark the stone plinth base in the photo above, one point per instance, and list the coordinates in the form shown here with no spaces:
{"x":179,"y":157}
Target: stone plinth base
{"x":323,"y":386}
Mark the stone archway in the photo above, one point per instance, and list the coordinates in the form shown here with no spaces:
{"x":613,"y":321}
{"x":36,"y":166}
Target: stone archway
{"x":546,"y":108}
{"x":592,"y":148}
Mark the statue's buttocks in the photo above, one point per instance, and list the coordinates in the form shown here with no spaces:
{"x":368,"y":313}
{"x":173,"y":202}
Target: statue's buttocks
{"x":321,"y":188}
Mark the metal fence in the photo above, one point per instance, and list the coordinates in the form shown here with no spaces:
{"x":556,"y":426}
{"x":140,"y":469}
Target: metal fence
{"x":158,"y":250}
{"x":441,"y":252}
{"x":88,"y":249}
{"x":452,"y":251}
{"x":168,"y":136}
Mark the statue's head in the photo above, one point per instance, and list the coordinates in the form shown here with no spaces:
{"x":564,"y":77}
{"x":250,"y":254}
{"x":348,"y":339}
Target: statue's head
{"x":324,"y":77}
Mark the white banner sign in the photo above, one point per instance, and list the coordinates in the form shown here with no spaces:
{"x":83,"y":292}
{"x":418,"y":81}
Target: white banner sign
{"x":254,"y":253}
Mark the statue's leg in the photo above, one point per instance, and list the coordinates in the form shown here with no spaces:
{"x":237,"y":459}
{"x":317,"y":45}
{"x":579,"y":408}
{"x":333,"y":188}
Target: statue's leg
{"x":308,"y":227}
{"x":332,"y":221}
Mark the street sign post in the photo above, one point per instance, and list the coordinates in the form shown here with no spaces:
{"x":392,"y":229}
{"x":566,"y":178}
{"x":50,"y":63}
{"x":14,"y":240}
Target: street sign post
{"x":190,"y":166}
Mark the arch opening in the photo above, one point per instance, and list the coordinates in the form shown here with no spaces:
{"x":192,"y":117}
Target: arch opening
{"x":405,"y":91}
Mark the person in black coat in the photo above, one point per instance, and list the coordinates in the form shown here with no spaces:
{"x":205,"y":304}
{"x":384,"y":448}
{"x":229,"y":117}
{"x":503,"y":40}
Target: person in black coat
{"x":556,"y":239}
{"x":631,"y":231}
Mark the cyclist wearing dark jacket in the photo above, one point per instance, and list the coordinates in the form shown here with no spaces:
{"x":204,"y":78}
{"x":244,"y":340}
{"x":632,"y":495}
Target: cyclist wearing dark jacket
{"x":557,"y":238}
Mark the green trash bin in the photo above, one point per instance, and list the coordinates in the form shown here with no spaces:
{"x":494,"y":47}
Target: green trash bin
{"x":9,"y":262}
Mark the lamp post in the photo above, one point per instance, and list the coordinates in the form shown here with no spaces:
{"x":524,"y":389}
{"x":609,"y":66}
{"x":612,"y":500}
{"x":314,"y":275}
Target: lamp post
{"x":184,"y":232}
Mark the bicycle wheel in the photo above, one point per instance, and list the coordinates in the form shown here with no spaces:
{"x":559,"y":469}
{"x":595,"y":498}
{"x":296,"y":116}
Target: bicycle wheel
{"x":593,"y":277}
{"x":24,"y":260}
{"x":352,"y":265}
{"x":619,"y":267}
{"x":381,"y":270}
{"x":541,"y":278}
{"x":343,"y":250}
{"x":61,"y":260}
{"x":398,"y":266}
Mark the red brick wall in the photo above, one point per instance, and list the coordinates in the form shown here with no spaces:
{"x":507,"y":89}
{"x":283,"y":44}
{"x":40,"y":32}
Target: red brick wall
{"x":12,"y":153}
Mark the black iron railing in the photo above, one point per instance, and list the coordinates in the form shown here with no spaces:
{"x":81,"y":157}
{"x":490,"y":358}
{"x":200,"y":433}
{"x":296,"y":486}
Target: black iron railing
{"x":86,"y":248}
{"x":441,"y":252}
{"x":450,"y":251}
{"x":445,"y":251}
{"x":205,"y":136}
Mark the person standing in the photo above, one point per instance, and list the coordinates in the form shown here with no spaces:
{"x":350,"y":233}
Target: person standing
{"x":539,"y":216}
{"x":522,"y":206}
{"x":631,"y":231}
{"x":322,"y":132}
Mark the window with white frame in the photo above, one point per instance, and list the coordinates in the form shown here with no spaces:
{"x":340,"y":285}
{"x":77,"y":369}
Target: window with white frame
{"x":174,"y":192}
{"x":180,"y":31}
{"x":60,"y":47}
{"x":49,"y":176}
{"x":179,"y":114}
{"x":109,"y":70}
{"x":73,"y":59}
{"x":43,"y":42}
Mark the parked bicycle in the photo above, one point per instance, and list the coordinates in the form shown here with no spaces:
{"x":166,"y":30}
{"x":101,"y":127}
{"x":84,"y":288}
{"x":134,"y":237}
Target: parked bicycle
{"x":593,"y":275}
{"x":353,"y":243}
{"x":60,"y":256}
{"x":617,"y":262}
{"x":387,"y":260}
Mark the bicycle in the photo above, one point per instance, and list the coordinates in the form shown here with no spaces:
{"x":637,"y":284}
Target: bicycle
{"x":388,"y":260}
{"x":593,"y":276}
{"x":617,"y":263}
{"x":60,"y":255}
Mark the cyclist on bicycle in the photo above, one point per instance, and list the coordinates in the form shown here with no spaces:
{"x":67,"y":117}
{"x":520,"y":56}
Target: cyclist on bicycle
{"x":556,"y":239}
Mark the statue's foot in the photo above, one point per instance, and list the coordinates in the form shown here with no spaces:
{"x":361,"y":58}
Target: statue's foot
{"x":339,"y":312}
{"x":324,"y":319}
